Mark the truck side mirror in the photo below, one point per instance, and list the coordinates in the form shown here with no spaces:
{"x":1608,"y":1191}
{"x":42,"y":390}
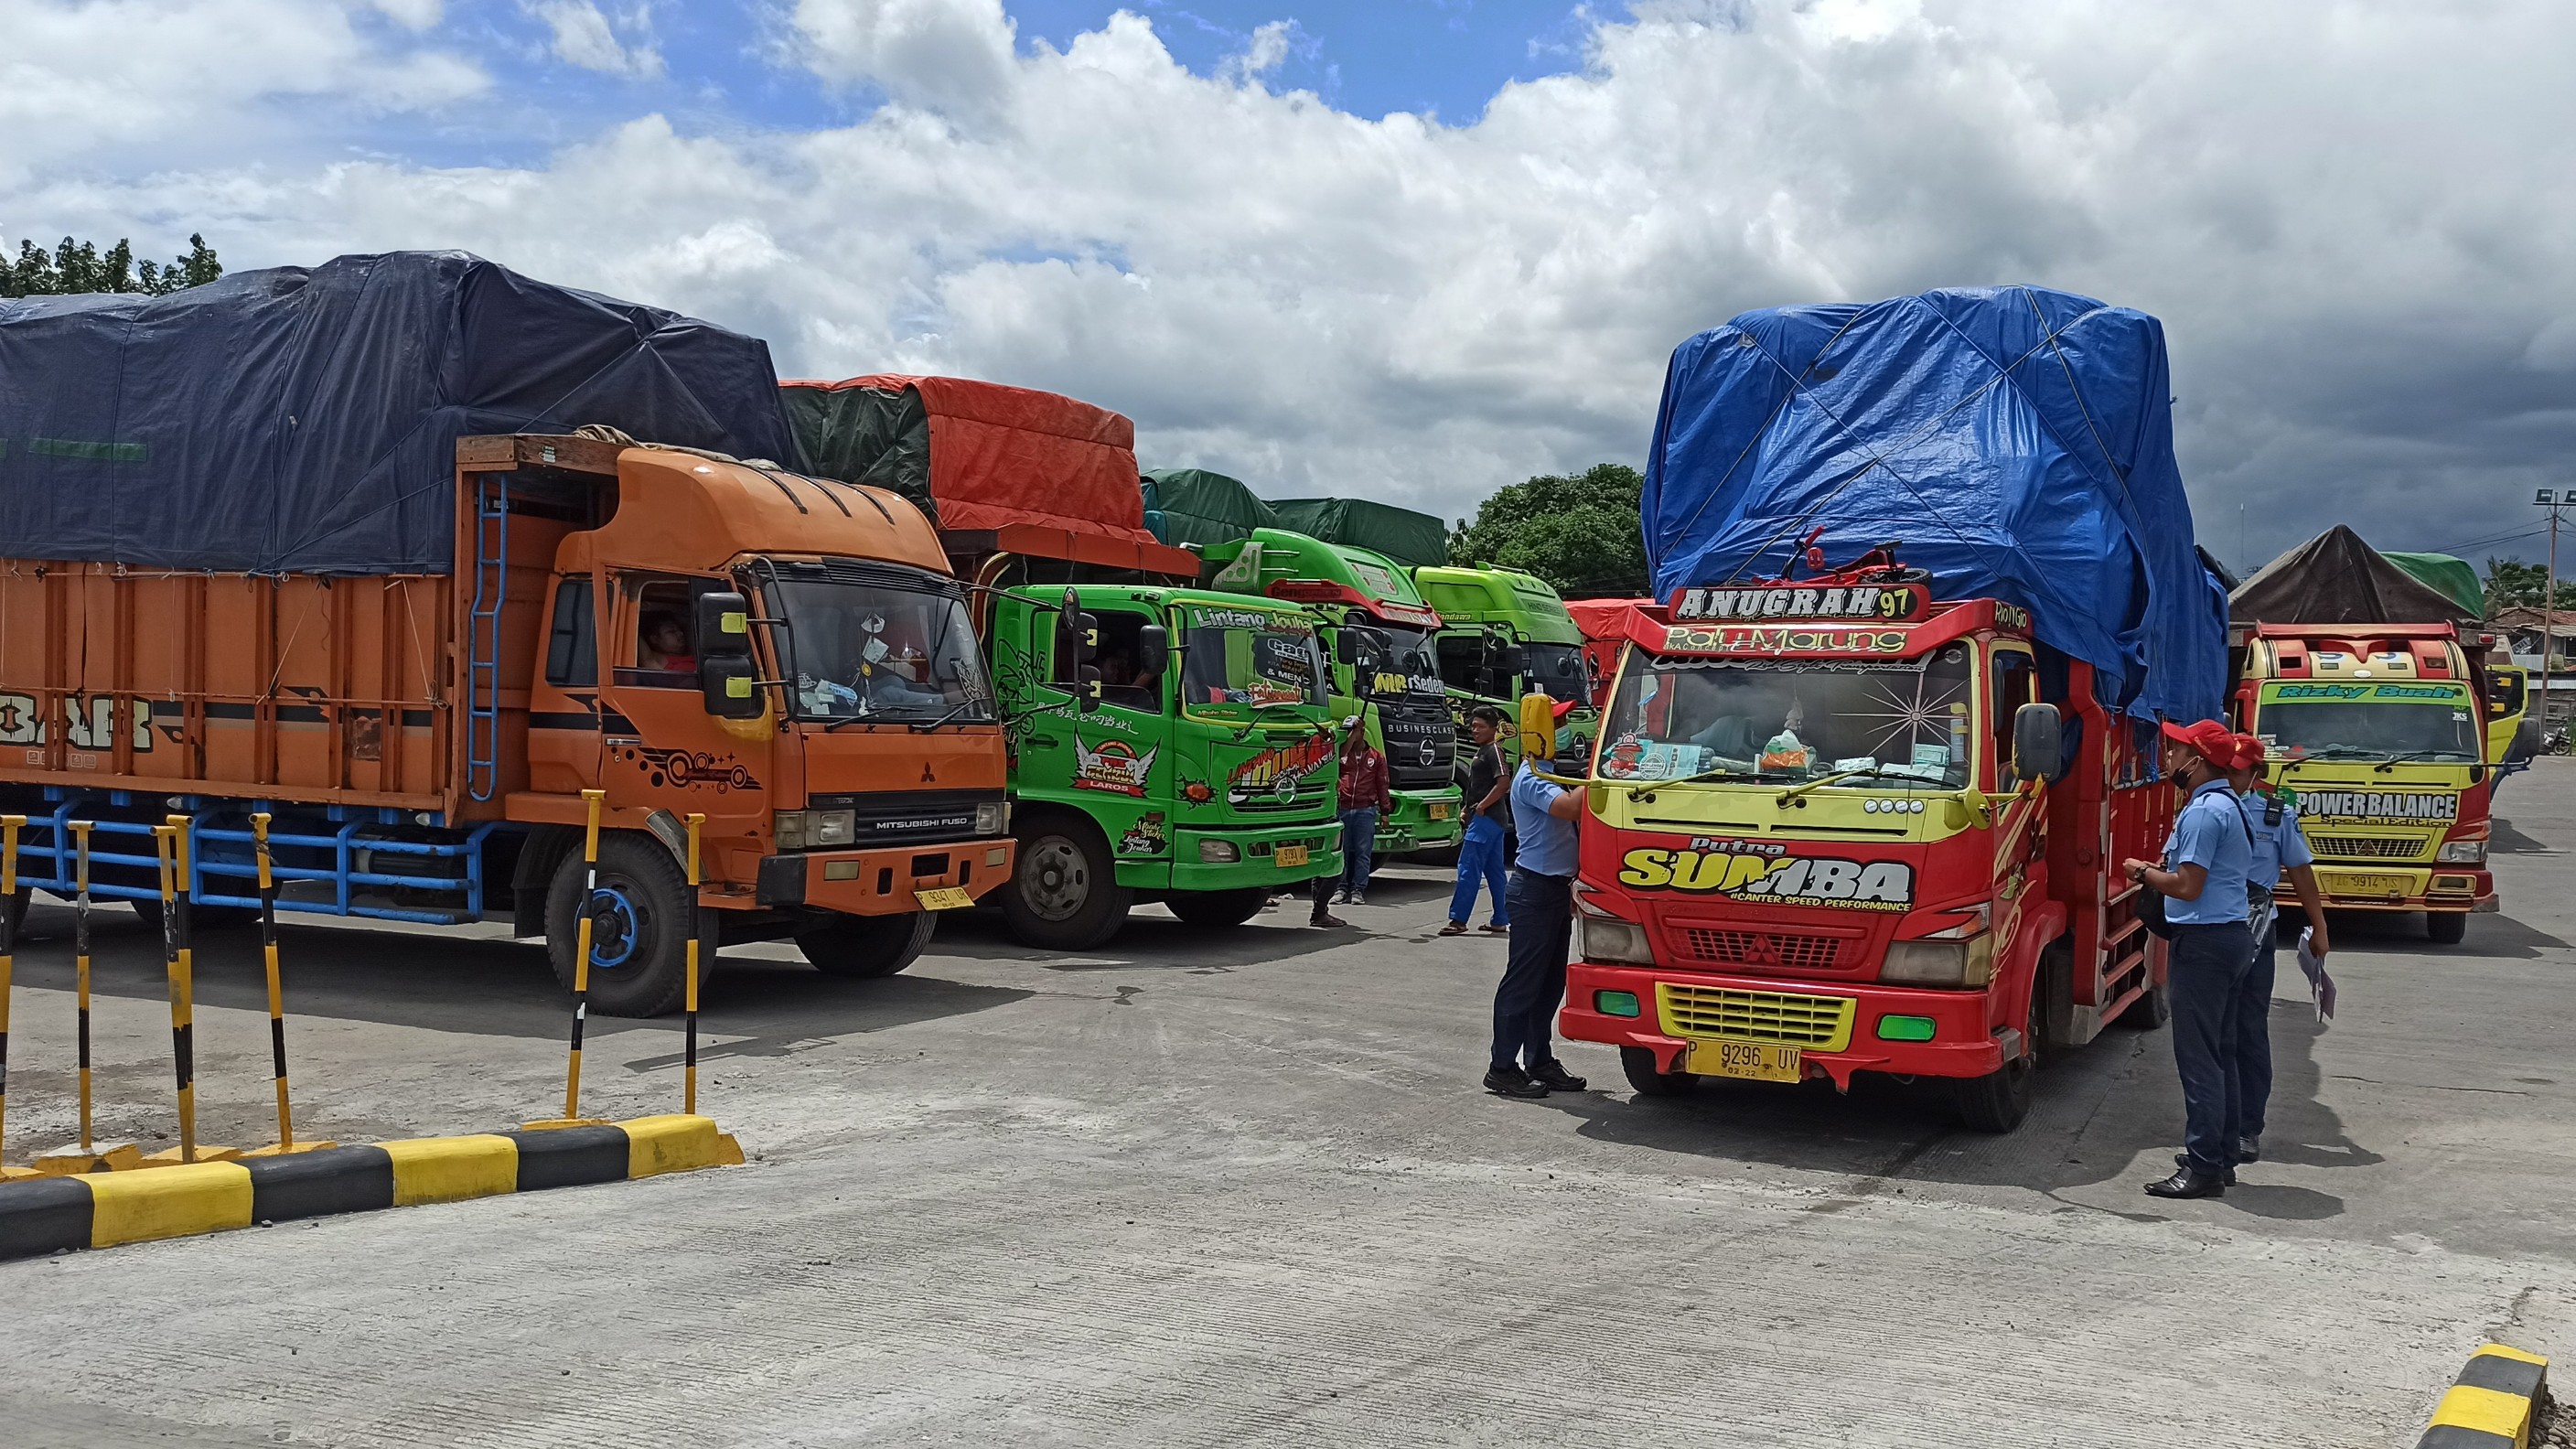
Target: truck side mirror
{"x":720,"y":627}
{"x":730,"y":686}
{"x":2038,"y":741}
{"x":1153,"y":647}
{"x":1346,"y":647}
{"x":2528,"y":737}
{"x":1510,"y":661}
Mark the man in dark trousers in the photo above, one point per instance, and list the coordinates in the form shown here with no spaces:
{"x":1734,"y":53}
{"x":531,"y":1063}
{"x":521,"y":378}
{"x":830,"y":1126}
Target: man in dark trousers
{"x":2280,"y":853}
{"x":1480,"y":854}
{"x":1365,"y":797}
{"x":1541,"y":902}
{"x":2208,"y":861}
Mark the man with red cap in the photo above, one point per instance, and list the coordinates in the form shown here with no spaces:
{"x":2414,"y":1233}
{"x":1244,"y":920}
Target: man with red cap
{"x":1541,"y":902}
{"x":2280,"y":849}
{"x":2208,"y":861}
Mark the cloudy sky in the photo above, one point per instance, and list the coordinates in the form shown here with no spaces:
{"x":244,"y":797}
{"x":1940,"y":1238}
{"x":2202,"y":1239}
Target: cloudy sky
{"x":1418,"y":248}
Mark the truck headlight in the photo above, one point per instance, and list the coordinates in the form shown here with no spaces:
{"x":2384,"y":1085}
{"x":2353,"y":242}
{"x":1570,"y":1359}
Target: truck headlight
{"x":789,"y":825}
{"x":815,"y":829}
{"x":1218,"y":852}
{"x":1606,"y":938}
{"x":1940,"y":963}
{"x":2462,"y":852}
{"x":993,"y":817}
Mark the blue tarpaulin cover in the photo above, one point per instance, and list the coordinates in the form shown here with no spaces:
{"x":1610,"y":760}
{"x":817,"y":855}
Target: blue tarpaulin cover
{"x":305,"y":419}
{"x":2014,"y":441}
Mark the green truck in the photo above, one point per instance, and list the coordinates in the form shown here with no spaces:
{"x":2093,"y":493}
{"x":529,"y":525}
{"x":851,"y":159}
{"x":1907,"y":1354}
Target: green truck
{"x":1378,"y":634}
{"x":1167,"y":743}
{"x":1504,"y":634}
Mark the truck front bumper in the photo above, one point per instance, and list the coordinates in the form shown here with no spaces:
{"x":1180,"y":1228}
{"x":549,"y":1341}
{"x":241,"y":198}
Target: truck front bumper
{"x":1833,"y":1042}
{"x":1414,"y":825}
{"x":886,"y":881}
{"x":2399,"y":888}
{"x":1255,"y":857}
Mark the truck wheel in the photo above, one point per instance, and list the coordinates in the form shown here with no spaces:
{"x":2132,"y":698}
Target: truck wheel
{"x":2149,"y":1011}
{"x":1219,"y":908}
{"x":641,"y":914}
{"x":2447,"y":928}
{"x":2056,"y":989}
{"x":1065,"y":893}
{"x":1440,"y":855}
{"x":860,"y":947}
{"x":1639,"y":1064}
{"x":1997,"y":1101}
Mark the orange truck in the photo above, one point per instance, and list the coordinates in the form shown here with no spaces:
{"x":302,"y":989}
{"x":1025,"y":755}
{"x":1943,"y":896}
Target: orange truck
{"x":416,"y":640}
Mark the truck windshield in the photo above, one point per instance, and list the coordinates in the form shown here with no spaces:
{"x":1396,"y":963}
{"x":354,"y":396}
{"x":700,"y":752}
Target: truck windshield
{"x":1244,"y":656}
{"x":1898,"y":725}
{"x":1410,"y":665}
{"x":2327,"y":721}
{"x":1557,"y":669}
{"x":879,"y":652}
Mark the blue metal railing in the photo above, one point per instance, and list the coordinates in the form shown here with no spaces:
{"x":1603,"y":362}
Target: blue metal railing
{"x":483,"y":636}
{"x":306,"y":846}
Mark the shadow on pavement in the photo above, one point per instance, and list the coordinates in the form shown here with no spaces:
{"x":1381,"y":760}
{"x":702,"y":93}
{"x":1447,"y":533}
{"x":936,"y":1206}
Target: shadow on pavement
{"x":2491,"y":936}
{"x":1153,"y":940}
{"x":2503,"y":839}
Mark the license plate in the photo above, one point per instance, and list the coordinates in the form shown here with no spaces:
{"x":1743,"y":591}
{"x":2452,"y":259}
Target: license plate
{"x":2368,"y":885}
{"x":1440,"y":810}
{"x":1752,"y":1061}
{"x":943,"y":898}
{"x":1289,"y":855}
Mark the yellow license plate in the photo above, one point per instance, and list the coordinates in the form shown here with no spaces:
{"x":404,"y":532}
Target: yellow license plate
{"x":1288,"y":855}
{"x":2368,"y":885}
{"x":1752,"y":1061}
{"x":943,"y":898}
{"x":1440,"y":810}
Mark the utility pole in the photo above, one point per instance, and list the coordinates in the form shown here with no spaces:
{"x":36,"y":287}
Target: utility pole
{"x":2553,"y":501}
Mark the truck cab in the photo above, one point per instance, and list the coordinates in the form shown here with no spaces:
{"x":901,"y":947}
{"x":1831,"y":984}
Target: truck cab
{"x":1504,"y":634}
{"x":2381,"y":732}
{"x":1850,"y":829}
{"x":1378,"y":634}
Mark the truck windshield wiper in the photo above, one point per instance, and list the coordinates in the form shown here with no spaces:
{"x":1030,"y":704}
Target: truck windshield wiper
{"x":1640,"y":787}
{"x":923,"y":727}
{"x":2420,"y":757}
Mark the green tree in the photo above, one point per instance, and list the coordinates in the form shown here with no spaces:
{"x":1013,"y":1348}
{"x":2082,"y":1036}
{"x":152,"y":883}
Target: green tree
{"x":79,"y":266}
{"x":2512,"y":584}
{"x":1577,"y":531}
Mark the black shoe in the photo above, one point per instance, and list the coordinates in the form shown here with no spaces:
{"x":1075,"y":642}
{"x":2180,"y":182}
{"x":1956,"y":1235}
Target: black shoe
{"x":1556,"y":1077}
{"x":1514,"y":1083}
{"x":2225,"y":1174}
{"x":2184,"y":1183}
{"x":2249,"y":1149}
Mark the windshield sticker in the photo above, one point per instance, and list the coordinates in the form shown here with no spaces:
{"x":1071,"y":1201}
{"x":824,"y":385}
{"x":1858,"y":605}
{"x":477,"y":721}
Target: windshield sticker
{"x":1112,"y":766}
{"x":1871,"y":885}
{"x":2373,"y":805}
{"x":2451,"y":693}
{"x":1211,"y":618}
{"x":1145,"y":837}
{"x":1904,"y":601}
{"x":1277,"y":771}
{"x":1390,"y":683}
{"x":1707,"y":639}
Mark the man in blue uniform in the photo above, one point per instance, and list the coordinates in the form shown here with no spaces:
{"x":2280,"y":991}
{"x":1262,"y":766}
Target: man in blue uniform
{"x":2208,"y":860}
{"x":2279,"y":849}
{"x":1541,"y":911}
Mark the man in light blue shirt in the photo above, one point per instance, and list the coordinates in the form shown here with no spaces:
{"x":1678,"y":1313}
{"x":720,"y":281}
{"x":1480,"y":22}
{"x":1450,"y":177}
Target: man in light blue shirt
{"x":2208,"y":861}
{"x":2280,"y":849}
{"x":1540,"y":904}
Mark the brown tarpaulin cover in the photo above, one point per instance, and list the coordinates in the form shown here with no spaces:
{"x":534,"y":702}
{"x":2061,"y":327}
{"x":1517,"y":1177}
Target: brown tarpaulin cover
{"x":985,"y":455}
{"x":2335,"y":578}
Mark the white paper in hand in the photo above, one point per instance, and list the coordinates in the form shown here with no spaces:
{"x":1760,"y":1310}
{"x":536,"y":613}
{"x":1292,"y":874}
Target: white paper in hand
{"x":2321,"y":987}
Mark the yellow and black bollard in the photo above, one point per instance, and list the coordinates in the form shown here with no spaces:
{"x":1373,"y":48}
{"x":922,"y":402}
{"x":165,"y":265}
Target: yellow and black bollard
{"x":9,"y":827}
{"x":697,"y":930}
{"x":80,"y":967}
{"x":286,"y":1142}
{"x":591,"y":801}
{"x":170,"y":845}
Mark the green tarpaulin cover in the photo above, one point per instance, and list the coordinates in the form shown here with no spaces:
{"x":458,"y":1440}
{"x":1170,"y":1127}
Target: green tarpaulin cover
{"x":2451,"y":576}
{"x":1411,"y":539}
{"x":1187,"y":506}
{"x":875,"y":436}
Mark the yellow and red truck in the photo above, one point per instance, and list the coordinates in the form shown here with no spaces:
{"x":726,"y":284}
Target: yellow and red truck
{"x":365,"y":547}
{"x":1867,"y":817}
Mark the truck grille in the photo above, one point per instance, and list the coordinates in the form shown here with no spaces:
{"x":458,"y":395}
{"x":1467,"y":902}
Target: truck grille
{"x":2368,"y":847}
{"x":1420,"y":748}
{"x":1762,"y":948}
{"x":1822,"y":1022}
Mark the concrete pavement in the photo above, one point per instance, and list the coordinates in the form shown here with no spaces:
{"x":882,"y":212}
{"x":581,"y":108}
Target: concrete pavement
{"x":1240,"y":1188}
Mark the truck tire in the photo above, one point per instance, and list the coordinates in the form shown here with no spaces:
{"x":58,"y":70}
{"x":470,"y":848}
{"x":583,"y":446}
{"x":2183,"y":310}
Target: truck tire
{"x":1064,"y":894}
{"x":2056,"y":989}
{"x":1639,"y":1064}
{"x":1999,"y":1100}
{"x":2150,"y":1010}
{"x":1439,"y":855}
{"x":641,"y":915}
{"x":2447,"y":928}
{"x":860,"y":948}
{"x":1219,"y":908}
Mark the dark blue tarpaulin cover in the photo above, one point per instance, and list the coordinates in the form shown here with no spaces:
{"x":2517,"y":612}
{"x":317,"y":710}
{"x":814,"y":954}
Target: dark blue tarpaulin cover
{"x":2016,"y":442}
{"x":305,"y":419}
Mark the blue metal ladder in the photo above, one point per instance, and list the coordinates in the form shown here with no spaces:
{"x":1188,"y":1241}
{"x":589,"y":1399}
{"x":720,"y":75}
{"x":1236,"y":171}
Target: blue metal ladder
{"x":483,"y":636}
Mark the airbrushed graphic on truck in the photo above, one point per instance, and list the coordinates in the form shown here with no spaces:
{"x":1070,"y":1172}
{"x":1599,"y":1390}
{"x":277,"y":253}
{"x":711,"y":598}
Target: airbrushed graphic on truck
{"x":89,"y":721}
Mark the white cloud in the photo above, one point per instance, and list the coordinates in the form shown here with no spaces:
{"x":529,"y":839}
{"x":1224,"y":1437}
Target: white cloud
{"x":584,"y":37}
{"x":2343,"y":213}
{"x":413,"y":14}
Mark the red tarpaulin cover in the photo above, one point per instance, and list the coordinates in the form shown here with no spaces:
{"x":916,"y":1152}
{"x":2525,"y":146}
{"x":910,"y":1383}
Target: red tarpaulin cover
{"x":1003,"y":455}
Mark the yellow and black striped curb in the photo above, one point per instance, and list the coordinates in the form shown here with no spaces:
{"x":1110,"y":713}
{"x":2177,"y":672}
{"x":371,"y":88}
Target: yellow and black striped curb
{"x":2495,"y":1403}
{"x":98,"y":1210}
